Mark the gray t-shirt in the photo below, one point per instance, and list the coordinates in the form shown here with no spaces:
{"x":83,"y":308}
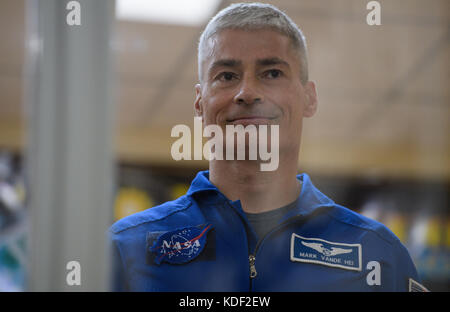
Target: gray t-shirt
{"x":265,"y":221}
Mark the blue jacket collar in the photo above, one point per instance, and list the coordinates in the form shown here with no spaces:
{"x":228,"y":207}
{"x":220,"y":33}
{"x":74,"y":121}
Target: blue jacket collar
{"x":310,"y":197}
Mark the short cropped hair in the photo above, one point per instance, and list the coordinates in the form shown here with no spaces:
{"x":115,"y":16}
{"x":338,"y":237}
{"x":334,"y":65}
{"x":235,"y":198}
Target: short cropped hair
{"x":255,"y":16}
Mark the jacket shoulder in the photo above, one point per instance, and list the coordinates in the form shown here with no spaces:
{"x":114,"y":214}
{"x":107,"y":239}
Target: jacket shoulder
{"x":155,"y":213}
{"x":352,"y":218}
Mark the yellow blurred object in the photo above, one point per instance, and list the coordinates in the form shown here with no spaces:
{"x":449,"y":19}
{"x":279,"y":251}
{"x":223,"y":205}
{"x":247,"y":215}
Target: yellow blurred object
{"x":131,"y":200}
{"x":396,"y":223}
{"x":433,"y":237}
{"x":178,"y":190}
{"x":447,"y":235}
{"x":21,"y":192}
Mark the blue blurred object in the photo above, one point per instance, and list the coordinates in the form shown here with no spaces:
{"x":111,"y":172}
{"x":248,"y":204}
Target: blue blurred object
{"x":12,"y":228}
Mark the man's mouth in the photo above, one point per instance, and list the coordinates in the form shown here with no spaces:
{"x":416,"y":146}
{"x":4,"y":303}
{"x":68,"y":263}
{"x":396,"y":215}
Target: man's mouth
{"x":250,"y":120}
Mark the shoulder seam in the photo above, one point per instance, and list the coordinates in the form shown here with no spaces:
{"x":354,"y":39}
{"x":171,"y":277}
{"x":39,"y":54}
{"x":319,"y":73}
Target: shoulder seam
{"x":391,"y":242}
{"x":184,"y":207}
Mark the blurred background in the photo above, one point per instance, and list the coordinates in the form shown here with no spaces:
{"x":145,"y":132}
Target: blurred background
{"x":86,"y":113}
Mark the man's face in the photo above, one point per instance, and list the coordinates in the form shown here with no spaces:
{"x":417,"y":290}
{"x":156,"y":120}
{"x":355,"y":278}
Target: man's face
{"x":253,"y":77}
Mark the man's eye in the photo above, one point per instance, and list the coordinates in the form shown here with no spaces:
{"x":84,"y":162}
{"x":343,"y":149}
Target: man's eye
{"x":273,"y":73}
{"x":226,"y":76}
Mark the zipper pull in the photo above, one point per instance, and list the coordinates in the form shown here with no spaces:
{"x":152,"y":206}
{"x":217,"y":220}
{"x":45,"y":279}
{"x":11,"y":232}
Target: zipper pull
{"x":251,"y":260}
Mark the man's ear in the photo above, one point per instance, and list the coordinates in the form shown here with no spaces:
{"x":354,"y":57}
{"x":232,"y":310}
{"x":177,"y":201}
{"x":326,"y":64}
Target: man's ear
{"x":198,"y":106}
{"x":311,"y":99}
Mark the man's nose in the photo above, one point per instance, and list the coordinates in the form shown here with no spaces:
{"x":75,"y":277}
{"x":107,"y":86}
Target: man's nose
{"x":248,"y":92}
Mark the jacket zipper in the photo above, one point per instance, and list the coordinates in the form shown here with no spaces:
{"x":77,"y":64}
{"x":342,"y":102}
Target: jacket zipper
{"x":252,"y":257}
{"x":251,"y":260}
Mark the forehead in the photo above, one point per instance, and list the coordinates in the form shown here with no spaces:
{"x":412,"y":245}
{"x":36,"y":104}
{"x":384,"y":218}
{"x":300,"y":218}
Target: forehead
{"x":248,"y":46}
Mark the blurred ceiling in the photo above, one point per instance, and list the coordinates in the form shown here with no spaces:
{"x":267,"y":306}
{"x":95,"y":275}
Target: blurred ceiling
{"x":384,"y":99}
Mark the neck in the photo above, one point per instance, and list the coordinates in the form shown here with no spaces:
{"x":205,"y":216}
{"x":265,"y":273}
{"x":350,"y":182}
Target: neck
{"x":258,"y":191}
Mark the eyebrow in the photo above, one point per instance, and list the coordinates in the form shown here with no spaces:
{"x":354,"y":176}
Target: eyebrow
{"x":224,"y":63}
{"x":272,"y":61}
{"x":235,"y":63}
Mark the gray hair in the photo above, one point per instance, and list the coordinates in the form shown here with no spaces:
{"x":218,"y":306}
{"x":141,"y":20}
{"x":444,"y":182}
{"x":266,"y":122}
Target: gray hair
{"x":255,"y":16}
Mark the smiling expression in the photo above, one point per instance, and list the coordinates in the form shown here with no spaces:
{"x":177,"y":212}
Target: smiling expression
{"x":253,"y":77}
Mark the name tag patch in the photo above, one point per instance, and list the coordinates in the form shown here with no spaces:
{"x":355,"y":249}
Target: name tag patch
{"x":320,"y":251}
{"x":180,"y":246}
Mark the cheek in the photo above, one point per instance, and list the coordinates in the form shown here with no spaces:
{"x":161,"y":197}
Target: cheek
{"x":292,"y":106}
{"x":214,"y":104}
{"x":211,"y":111}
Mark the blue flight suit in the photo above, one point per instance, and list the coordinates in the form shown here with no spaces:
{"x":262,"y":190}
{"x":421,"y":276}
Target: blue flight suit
{"x":203,"y":241}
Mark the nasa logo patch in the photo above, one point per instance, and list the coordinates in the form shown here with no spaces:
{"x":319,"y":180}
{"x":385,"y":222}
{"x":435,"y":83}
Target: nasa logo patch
{"x":180,"y":246}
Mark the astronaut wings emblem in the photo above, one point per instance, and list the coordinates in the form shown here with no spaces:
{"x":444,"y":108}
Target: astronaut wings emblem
{"x":319,"y":251}
{"x":329,"y":252}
